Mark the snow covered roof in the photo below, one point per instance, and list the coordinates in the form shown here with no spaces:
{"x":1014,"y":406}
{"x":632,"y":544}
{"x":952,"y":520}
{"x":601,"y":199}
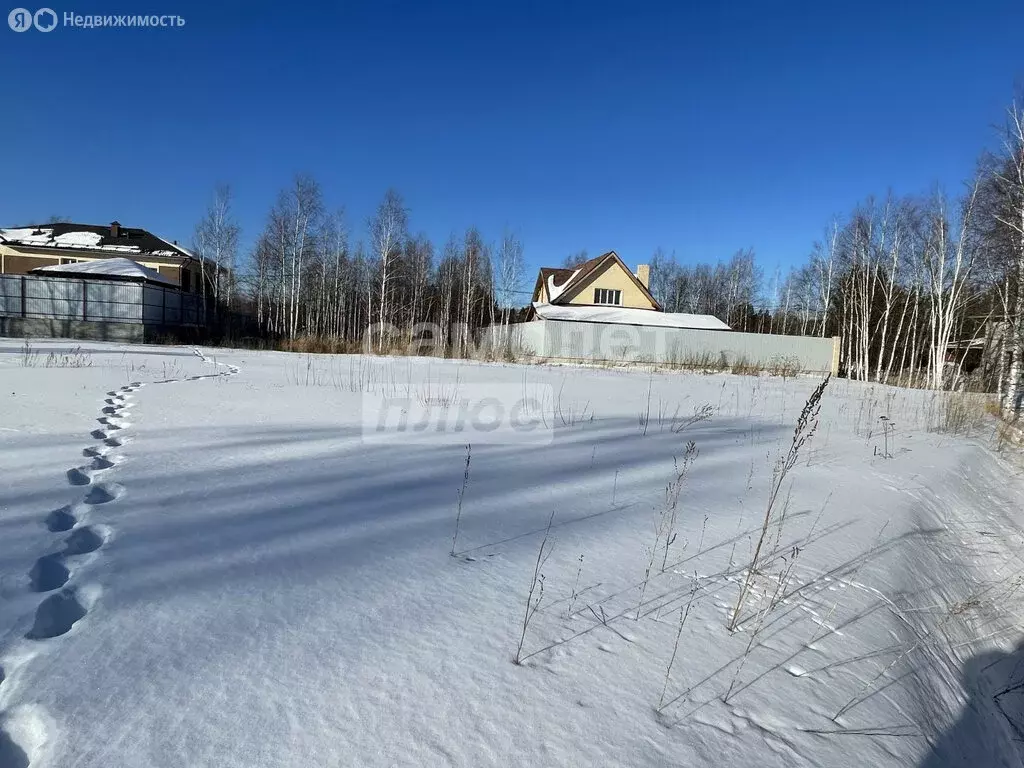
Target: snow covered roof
{"x":118,"y":268}
{"x":554,"y":291}
{"x":91,"y":237}
{"x":627,"y":316}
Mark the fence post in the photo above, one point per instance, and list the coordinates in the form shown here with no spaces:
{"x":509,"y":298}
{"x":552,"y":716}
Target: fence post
{"x":85,"y":302}
{"x":23,"y":296}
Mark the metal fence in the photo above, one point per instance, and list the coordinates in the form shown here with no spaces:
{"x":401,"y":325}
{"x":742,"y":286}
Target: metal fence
{"x":111,"y":301}
{"x":683,"y":347}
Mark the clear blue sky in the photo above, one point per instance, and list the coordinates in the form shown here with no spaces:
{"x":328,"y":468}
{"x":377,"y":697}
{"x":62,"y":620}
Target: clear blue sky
{"x":699,"y":127}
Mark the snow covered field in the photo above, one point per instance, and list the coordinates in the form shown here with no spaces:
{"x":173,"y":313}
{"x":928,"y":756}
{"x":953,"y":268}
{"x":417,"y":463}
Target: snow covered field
{"x":202,"y":563}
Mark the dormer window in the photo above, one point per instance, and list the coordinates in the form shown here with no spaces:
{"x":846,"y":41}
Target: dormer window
{"x":608,"y":296}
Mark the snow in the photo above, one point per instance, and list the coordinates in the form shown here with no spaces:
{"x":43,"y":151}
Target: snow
{"x":77,"y":240}
{"x":43,"y":236}
{"x":28,"y":235}
{"x":114,"y":267}
{"x":174,"y":249}
{"x":627,"y":316}
{"x":554,"y":291}
{"x":249,"y":583}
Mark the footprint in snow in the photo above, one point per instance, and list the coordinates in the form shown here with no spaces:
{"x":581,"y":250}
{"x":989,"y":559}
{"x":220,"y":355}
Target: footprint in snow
{"x":103,"y":494}
{"x":49,"y":573}
{"x":56,"y":615}
{"x":78,"y":477}
{"x":84,"y":475}
{"x":101,"y":464}
{"x":59,"y":520}
{"x":11,"y":755}
{"x":23,"y":734}
{"x":83,"y":540}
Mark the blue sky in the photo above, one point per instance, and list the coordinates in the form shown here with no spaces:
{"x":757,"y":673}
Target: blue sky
{"x":698,"y":127}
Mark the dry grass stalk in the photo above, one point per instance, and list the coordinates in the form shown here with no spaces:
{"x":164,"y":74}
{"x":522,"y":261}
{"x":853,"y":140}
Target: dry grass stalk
{"x":675,"y":648}
{"x":806,"y":426}
{"x":750,"y":645}
{"x":536,"y":588}
{"x":700,"y":413}
{"x":575,"y":590}
{"x":672,"y":493}
{"x":461,"y":493}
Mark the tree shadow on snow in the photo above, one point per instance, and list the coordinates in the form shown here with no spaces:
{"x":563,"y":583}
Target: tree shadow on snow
{"x":346,"y":502}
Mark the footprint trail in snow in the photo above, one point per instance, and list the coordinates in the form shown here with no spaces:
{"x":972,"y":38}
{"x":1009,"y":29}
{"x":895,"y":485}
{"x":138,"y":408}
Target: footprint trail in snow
{"x":67,"y":601}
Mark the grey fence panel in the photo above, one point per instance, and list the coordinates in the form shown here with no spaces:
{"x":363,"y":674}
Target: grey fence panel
{"x":523,"y":338}
{"x":608,"y":342}
{"x":172,"y":308}
{"x":90,"y":300}
{"x":60,"y":299}
{"x":192,"y":310}
{"x":10,"y":294}
{"x":116,"y":302}
{"x":152,"y":305}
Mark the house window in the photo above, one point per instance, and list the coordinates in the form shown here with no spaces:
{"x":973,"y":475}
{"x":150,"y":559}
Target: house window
{"x":65,"y":260}
{"x":186,"y":280}
{"x":607,"y":296}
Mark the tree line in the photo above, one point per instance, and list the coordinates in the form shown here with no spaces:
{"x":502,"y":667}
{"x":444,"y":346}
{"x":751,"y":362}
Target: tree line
{"x":914,"y":285}
{"x":920,"y":288}
{"x":305,"y":281}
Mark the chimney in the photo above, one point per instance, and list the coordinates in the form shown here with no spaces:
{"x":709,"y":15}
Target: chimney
{"x":115,"y":229}
{"x":643,"y":274}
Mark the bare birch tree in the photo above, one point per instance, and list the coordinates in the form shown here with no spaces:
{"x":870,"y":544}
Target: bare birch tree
{"x":387,"y":231}
{"x":215,"y":242}
{"x":1009,"y":180}
{"x":510,"y":269}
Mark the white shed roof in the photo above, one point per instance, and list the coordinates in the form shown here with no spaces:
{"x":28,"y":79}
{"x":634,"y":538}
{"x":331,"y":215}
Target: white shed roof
{"x":118,"y":267}
{"x":627,"y":316}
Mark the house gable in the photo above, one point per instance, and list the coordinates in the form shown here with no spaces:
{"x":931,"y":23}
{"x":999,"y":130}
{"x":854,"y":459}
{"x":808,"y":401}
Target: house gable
{"x":577,"y":286}
{"x":609,"y":273}
{"x":551,"y":282}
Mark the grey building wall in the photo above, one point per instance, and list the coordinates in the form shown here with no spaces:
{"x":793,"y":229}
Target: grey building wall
{"x":33,"y":305}
{"x":566,"y":340}
{"x":53,"y":328}
{"x":524,"y":338}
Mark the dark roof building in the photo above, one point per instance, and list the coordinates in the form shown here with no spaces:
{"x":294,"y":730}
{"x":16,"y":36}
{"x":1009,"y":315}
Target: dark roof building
{"x":26,"y":249}
{"x":112,"y":239}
